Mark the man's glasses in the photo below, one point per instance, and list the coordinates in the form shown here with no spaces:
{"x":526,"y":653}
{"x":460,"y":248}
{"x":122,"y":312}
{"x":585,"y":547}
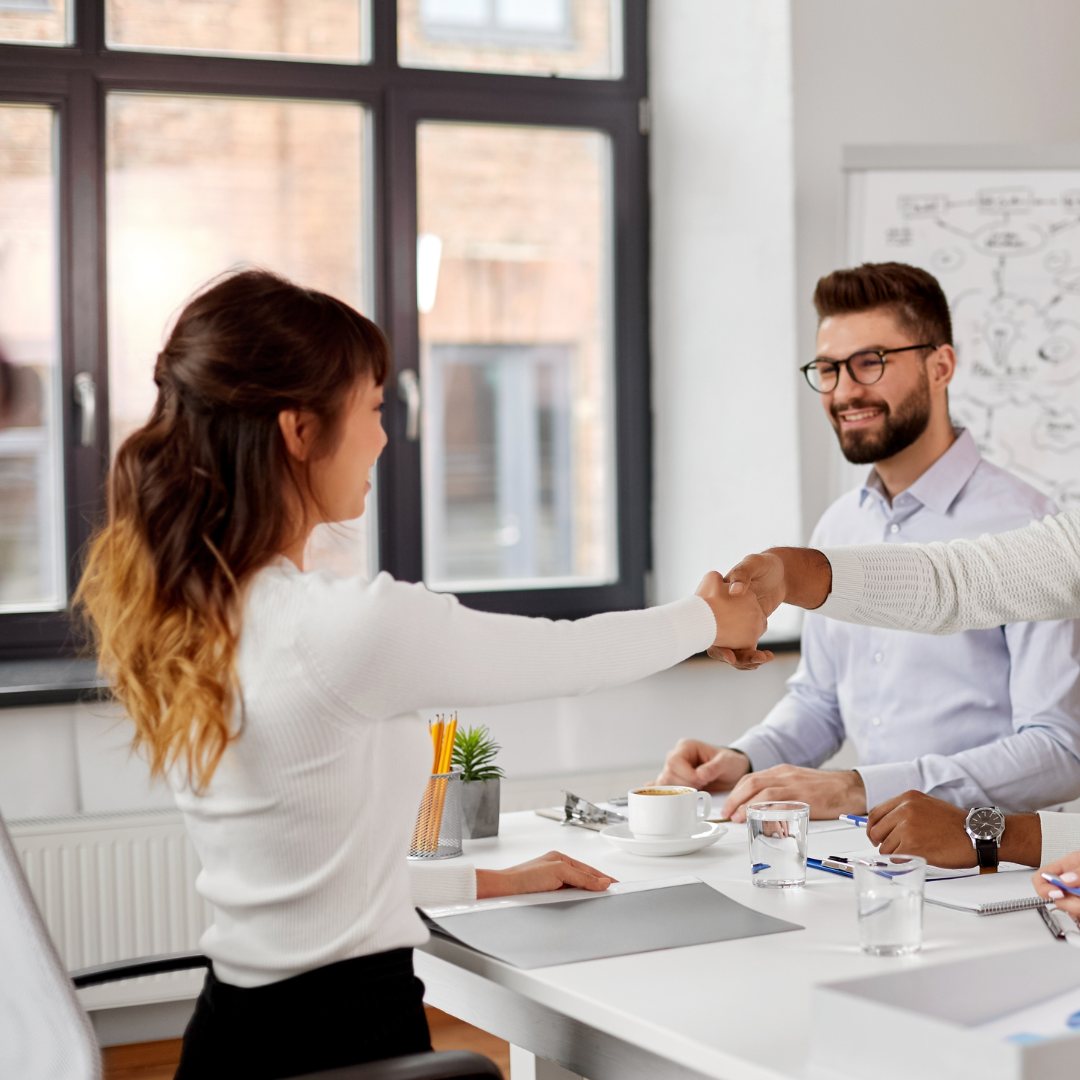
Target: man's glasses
{"x":865,"y":367}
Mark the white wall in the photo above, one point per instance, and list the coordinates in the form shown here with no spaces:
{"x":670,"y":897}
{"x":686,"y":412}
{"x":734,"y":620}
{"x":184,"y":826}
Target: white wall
{"x":921,"y":71}
{"x":725,"y":431}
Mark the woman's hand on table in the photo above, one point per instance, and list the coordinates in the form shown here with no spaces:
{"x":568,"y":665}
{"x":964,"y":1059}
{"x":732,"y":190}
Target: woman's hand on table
{"x":1068,"y":871}
{"x":551,"y":871}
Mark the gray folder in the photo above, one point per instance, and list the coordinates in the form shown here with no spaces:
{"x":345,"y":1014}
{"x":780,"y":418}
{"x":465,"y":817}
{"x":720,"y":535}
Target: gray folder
{"x":541,"y":935}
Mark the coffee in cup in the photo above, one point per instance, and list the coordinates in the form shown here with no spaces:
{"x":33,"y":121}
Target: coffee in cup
{"x":662,"y":811}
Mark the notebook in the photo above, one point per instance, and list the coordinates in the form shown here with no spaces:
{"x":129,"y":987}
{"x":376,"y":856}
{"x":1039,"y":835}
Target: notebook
{"x":565,"y":929}
{"x":985,"y":894}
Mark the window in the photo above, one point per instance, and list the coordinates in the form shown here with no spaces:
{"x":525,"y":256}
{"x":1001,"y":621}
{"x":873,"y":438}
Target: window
{"x":575,"y":38}
{"x":31,"y":488}
{"x":288,"y":29}
{"x":279,"y":185}
{"x":515,"y":356}
{"x":35,"y":22}
{"x":400,"y":156}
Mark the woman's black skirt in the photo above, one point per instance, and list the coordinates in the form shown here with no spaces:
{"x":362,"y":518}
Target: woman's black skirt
{"x":343,"y":1014}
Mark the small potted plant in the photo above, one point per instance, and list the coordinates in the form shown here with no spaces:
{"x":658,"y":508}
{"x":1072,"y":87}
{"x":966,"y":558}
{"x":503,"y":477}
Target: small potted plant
{"x":474,"y":751}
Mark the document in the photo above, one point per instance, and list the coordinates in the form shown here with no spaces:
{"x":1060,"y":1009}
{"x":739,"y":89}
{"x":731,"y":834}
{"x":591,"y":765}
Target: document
{"x":1054,"y":1018}
{"x":566,"y":929}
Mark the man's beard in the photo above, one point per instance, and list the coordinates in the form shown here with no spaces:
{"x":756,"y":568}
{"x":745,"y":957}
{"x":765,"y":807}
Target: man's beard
{"x":900,"y":429}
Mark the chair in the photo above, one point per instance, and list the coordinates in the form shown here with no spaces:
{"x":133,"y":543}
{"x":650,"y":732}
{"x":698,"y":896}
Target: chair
{"x":45,"y":1034}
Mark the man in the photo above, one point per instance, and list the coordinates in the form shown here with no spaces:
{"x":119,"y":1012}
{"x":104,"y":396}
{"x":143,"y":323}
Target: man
{"x":978,"y":718}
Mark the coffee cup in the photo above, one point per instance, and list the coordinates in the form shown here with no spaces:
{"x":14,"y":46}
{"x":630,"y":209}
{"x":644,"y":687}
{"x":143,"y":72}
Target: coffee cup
{"x":667,"y":811}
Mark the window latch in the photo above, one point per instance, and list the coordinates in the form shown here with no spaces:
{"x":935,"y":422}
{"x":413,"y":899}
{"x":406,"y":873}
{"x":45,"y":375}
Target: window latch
{"x":85,"y":393}
{"x":408,"y":387}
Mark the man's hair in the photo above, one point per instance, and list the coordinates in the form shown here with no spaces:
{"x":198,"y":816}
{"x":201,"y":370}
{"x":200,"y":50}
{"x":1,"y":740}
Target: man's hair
{"x":914,"y":297}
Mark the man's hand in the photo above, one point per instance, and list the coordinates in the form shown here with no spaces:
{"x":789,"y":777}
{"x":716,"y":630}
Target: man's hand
{"x":1068,"y":871}
{"x":800,"y":576}
{"x":739,"y":619}
{"x":829,"y":794}
{"x":707,"y":768}
{"x":919,"y":824}
{"x":551,"y":871}
{"x":764,"y":575}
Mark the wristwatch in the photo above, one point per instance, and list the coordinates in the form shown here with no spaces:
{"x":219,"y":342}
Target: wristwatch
{"x":985,"y":825}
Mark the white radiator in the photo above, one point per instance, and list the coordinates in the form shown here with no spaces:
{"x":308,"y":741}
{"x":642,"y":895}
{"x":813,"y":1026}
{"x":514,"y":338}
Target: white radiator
{"x":114,"y":887}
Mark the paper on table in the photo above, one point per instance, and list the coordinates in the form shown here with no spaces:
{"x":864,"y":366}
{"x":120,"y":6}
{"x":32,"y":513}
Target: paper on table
{"x":546,"y":934}
{"x":1054,"y":1018}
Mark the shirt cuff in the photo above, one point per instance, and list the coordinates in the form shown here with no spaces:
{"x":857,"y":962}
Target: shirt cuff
{"x":846,"y":595}
{"x":884,"y":781}
{"x":435,"y":883}
{"x":757,"y":749}
{"x":1060,"y":835}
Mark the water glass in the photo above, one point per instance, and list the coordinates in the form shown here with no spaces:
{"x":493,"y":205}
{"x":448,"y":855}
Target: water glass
{"x":777,"y":833}
{"x":889,"y":893}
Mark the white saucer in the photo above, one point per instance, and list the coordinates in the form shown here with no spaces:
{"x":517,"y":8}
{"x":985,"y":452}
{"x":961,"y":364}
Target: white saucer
{"x":621,"y":837}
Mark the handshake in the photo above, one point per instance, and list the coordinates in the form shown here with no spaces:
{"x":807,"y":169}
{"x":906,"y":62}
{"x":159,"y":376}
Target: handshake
{"x":744,"y":598}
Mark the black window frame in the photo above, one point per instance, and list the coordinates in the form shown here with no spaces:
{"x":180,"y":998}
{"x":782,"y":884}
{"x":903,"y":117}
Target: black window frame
{"x":75,"y":80}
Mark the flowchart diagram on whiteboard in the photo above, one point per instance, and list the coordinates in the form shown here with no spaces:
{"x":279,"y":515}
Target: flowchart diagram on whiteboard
{"x":1005,"y":245}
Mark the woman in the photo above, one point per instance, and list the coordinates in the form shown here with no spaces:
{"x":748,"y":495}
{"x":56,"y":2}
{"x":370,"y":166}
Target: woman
{"x":1020,"y":576}
{"x":281,"y":705}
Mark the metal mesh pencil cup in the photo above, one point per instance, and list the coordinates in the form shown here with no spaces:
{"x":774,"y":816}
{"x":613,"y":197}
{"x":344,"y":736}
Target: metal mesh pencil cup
{"x":438,"y":824}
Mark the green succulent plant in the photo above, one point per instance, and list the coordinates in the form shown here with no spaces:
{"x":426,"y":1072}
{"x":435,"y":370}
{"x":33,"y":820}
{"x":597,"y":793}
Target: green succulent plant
{"x":474,"y":751}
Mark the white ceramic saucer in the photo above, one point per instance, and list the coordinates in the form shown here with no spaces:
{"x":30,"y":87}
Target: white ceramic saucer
{"x":621,"y":837}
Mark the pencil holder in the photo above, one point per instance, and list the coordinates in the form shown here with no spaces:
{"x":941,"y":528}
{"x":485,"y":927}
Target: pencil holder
{"x":438,"y":825}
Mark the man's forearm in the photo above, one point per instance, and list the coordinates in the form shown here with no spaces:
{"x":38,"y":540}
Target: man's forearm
{"x":807,"y":576}
{"x":1022,"y":840}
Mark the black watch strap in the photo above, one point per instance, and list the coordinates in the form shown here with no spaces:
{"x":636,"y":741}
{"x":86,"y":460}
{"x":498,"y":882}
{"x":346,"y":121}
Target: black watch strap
{"x":987,"y":851}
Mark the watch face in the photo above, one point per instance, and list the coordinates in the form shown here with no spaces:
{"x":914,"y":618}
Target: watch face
{"x":986,"y":823}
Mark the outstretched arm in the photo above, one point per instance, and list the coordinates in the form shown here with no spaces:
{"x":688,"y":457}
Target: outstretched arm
{"x":1026,"y":575}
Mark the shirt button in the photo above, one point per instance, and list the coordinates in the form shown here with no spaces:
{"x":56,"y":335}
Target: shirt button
{"x":877,"y":721}
{"x":894,"y":528}
{"x":878,"y":657}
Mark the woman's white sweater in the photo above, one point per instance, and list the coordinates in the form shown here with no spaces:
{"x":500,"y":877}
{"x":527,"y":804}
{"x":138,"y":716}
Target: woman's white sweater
{"x":1021,"y":576}
{"x":303,"y":831}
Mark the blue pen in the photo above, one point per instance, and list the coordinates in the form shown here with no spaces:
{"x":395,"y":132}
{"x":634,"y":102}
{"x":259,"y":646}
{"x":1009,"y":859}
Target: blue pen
{"x":854,"y":819}
{"x":1059,"y":884}
{"x":758,"y":867}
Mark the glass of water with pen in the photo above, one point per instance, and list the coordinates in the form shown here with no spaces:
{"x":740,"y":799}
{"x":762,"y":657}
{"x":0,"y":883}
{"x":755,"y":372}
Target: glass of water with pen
{"x":889,"y":894}
{"x":777,"y":833}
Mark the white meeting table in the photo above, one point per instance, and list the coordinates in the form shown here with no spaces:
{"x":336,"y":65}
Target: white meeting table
{"x":737,"y":1010}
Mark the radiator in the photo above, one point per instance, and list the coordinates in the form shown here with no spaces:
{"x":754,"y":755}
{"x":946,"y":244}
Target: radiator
{"x":113,"y":886}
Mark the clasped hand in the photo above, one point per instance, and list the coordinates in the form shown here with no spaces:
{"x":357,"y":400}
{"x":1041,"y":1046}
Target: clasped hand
{"x":740,"y":618}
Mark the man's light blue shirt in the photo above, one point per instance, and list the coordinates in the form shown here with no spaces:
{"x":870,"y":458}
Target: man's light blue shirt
{"x":978,"y":718}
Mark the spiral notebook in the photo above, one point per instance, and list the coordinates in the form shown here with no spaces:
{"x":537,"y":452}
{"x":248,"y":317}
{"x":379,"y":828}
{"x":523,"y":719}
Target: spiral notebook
{"x":986,"y":894}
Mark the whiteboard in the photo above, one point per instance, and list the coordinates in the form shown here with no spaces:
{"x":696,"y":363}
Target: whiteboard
{"x":1005,"y":245}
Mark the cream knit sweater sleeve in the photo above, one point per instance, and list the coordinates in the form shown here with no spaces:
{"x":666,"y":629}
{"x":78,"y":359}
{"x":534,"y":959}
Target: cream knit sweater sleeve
{"x":1026,"y":575}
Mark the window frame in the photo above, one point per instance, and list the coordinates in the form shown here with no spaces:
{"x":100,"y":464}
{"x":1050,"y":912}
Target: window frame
{"x":75,"y":80}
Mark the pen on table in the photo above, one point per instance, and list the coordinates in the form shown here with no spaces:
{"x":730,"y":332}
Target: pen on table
{"x":1060,"y":925}
{"x":854,"y":819}
{"x":830,"y":867}
{"x":1059,"y":884}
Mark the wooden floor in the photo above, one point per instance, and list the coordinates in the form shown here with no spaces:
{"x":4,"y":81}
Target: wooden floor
{"x":158,"y":1060}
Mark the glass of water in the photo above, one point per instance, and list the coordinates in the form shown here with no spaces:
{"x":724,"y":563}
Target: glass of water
{"x":777,"y":834}
{"x":889,"y":892}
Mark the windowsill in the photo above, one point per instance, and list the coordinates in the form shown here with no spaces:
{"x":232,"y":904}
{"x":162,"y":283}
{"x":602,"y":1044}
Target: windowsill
{"x":48,"y":682}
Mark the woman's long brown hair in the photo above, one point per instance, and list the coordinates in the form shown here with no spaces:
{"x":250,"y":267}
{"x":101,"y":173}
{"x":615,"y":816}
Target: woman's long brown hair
{"x":197,"y":502}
